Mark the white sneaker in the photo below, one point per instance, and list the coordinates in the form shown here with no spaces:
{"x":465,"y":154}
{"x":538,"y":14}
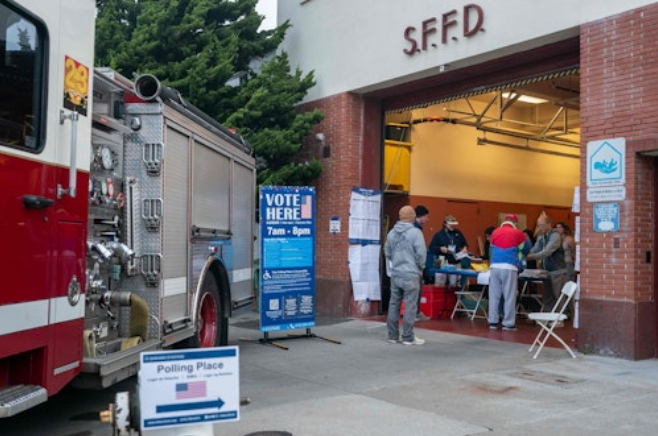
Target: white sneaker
{"x":393,"y":341}
{"x":416,"y":341}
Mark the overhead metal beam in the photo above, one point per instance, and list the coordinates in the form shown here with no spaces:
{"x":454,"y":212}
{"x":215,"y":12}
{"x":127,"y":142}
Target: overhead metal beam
{"x":485,"y":141}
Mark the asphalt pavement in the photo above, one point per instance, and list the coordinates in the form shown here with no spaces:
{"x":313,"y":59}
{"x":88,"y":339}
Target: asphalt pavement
{"x":452,"y":385}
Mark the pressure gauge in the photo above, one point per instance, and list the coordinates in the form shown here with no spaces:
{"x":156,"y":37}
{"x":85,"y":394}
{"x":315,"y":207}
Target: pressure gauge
{"x":106,"y":158}
{"x":110,"y":187}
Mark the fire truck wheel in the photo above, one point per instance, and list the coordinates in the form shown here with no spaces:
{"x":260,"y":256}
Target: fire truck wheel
{"x":209,"y":317}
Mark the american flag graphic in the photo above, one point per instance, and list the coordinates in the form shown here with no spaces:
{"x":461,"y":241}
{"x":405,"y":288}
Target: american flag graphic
{"x":196,"y":389}
{"x":307,"y":204}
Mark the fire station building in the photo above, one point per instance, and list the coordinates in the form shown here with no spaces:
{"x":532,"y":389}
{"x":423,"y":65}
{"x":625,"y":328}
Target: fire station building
{"x":481,"y":108}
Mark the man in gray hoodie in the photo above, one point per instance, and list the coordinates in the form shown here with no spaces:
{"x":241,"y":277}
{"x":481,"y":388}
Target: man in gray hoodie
{"x":405,"y":253}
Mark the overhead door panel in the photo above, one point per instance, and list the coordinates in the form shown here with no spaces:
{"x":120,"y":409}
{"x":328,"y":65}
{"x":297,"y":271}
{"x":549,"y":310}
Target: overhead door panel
{"x":212,"y":184}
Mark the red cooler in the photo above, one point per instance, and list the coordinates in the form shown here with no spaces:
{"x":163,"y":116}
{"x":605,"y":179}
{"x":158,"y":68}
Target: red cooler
{"x":436,"y":302}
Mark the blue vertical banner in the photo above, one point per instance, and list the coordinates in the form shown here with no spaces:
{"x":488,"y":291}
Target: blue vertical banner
{"x":287,"y":258}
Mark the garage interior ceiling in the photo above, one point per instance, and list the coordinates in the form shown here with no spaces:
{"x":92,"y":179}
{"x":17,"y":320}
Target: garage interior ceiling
{"x":504,"y":117}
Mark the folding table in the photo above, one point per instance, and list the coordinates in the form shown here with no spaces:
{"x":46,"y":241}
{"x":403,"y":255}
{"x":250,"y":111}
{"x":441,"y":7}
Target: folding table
{"x":527,"y":277}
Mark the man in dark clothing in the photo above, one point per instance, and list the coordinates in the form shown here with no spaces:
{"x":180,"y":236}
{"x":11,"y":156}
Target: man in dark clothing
{"x":450,"y":243}
{"x":422,"y":216}
{"x":487,"y":242}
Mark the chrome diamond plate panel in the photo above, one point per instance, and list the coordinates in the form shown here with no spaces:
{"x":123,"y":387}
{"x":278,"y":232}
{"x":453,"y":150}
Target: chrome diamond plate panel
{"x":148,"y":187}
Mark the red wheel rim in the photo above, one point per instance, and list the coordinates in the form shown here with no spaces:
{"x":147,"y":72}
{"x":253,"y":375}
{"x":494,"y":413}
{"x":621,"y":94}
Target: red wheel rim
{"x":207,"y":322}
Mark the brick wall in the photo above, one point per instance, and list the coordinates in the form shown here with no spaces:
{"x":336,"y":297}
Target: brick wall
{"x":619,"y":98}
{"x":341,"y":171}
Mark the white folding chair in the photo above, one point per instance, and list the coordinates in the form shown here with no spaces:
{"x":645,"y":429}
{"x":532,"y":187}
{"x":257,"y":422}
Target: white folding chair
{"x":549,"y":320}
{"x":469,"y":300}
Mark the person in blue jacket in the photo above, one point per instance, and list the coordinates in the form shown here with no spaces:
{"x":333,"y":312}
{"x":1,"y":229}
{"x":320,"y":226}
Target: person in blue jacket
{"x":450,"y":243}
{"x":509,"y":246}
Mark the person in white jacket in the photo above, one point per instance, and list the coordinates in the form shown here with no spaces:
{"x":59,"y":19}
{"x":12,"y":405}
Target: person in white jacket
{"x":406,"y":254}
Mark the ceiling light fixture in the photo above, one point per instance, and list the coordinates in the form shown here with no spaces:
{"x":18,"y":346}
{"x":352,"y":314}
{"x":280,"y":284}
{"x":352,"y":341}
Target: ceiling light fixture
{"x":524,"y":98}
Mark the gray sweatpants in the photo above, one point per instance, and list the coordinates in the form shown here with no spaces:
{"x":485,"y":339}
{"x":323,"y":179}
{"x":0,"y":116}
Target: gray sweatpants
{"x":407,"y":288}
{"x":503,"y":285}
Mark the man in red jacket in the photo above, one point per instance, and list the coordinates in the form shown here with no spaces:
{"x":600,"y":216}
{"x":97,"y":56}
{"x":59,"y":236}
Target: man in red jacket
{"x":509,"y":246}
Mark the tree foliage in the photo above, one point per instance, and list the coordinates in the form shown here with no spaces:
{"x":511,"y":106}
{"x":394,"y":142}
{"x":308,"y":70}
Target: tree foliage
{"x":266,"y":105}
{"x":201,"y":48}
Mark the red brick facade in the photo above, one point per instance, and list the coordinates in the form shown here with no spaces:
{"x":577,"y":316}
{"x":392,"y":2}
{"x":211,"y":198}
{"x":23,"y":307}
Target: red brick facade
{"x":619,"y":98}
{"x":341,"y":157}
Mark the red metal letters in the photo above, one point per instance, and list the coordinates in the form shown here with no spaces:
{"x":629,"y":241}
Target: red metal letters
{"x":472,"y":19}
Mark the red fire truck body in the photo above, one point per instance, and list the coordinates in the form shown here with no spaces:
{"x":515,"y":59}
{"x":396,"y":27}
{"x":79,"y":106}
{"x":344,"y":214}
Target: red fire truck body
{"x":127,"y":213}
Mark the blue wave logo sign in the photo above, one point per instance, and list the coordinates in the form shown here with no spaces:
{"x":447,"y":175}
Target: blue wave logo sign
{"x":605,"y":162}
{"x":606,"y":167}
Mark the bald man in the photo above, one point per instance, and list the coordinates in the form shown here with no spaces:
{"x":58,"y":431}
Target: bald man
{"x":405,"y":258}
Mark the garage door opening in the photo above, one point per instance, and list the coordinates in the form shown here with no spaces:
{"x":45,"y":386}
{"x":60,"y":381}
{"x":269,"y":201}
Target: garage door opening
{"x":507,"y":148}
{"x":514,"y":147}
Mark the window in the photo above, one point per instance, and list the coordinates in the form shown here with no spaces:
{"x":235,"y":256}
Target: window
{"x":21,"y":80}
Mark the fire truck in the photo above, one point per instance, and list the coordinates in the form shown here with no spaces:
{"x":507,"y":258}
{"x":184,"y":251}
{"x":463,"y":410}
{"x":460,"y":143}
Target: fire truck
{"x":127,"y":213}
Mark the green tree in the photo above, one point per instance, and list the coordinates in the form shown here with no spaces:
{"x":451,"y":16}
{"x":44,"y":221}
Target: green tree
{"x":202,"y":48}
{"x":266,"y":112}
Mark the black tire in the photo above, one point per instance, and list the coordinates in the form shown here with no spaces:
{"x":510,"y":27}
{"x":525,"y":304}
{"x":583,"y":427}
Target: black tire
{"x":211,"y":324}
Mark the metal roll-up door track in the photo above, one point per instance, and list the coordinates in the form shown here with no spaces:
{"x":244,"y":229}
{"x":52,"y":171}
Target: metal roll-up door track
{"x":487,"y":89}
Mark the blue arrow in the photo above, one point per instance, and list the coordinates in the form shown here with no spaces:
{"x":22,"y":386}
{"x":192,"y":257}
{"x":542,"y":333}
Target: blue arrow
{"x":189,"y":406}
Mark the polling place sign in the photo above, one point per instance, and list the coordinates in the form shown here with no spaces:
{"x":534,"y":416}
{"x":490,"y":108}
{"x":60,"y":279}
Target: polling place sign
{"x":186,"y":387}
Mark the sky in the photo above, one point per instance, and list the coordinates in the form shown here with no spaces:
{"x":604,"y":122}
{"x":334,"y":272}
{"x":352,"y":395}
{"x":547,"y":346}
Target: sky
{"x":268,"y":9}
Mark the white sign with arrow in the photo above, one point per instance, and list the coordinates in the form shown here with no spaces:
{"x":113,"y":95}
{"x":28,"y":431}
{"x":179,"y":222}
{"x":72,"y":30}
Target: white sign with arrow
{"x":185,"y":387}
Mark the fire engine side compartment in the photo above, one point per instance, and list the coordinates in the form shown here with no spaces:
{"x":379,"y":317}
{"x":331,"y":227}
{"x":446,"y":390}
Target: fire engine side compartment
{"x":222,"y":208}
{"x":187,"y":191}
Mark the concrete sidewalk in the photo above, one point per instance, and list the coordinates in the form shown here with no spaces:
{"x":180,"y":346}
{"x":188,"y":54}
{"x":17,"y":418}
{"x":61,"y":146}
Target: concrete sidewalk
{"x":452,"y":385}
